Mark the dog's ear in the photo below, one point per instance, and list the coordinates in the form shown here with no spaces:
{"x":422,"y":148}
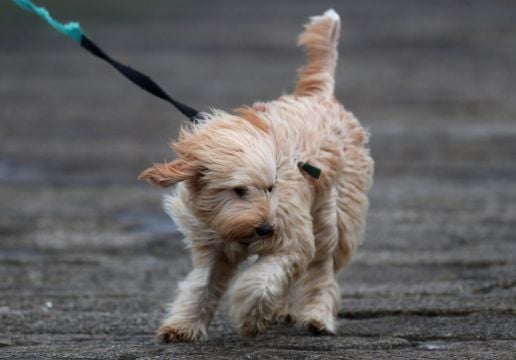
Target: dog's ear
{"x":170,"y":173}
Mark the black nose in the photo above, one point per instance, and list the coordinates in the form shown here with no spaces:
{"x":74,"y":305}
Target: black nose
{"x":264,"y":230}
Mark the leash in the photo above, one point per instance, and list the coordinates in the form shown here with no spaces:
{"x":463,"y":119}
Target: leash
{"x":73,"y":30}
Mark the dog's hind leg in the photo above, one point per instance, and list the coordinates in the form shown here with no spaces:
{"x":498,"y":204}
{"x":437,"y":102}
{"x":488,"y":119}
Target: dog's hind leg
{"x":316,"y":296}
{"x":352,"y":203}
{"x":320,"y":41}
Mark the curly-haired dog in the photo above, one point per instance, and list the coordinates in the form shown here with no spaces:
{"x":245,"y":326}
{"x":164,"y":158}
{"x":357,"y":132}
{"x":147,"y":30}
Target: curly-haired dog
{"x":241,"y":191}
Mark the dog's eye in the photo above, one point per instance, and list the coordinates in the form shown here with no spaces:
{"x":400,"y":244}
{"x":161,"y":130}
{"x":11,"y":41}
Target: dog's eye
{"x":241,"y":191}
{"x":270,"y":188}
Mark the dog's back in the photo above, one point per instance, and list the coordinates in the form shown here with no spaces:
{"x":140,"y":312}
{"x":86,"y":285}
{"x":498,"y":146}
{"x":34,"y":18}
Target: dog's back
{"x":321,"y":131}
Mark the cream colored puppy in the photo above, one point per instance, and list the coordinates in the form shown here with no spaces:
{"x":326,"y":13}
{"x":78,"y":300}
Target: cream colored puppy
{"x":240,"y":191}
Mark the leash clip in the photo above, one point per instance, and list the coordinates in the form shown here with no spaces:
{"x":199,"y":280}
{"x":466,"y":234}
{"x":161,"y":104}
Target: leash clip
{"x":311,"y":170}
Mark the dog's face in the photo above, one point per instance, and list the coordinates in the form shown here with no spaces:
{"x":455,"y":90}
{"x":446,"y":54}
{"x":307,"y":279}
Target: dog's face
{"x":228,"y":164}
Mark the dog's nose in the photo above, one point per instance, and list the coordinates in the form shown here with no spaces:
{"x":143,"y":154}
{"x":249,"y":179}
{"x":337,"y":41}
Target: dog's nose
{"x":264,"y":230}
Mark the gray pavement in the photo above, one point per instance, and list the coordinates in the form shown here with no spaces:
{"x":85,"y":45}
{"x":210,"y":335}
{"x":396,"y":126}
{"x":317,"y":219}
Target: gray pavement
{"x":88,"y":260}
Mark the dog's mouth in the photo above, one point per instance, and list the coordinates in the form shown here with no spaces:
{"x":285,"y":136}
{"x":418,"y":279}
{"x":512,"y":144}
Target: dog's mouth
{"x":248,"y":241}
{"x":254,"y":238}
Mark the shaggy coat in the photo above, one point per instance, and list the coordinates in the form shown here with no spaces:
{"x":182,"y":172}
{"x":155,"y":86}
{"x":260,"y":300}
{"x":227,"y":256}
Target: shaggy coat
{"x":240,"y":192}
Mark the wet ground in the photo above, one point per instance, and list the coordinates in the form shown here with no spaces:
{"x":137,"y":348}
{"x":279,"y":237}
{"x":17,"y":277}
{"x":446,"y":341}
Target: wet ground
{"x":87,"y":258}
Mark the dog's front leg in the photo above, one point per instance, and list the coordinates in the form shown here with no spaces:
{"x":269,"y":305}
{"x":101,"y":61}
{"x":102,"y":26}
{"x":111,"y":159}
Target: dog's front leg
{"x":260,"y":289}
{"x":198,"y":296}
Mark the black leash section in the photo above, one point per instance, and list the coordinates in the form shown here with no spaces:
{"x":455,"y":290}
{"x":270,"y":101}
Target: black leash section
{"x":142,"y":80}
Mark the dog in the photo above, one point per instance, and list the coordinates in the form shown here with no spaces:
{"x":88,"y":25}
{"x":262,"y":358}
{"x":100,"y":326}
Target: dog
{"x":240,"y":192}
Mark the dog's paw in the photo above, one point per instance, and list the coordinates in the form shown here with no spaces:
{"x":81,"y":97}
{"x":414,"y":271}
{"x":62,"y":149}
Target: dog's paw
{"x":283,"y":315}
{"x":317,"y":327}
{"x":251,"y":317}
{"x":318,"y":323}
{"x":174,"y":333}
{"x":252,"y":325}
{"x":283,"y":318}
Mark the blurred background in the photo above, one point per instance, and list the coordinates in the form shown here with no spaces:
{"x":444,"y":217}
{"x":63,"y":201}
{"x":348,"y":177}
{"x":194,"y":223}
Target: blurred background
{"x":87,"y":257}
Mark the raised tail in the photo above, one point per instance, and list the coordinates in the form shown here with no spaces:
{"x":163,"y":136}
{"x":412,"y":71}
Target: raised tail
{"x":320,"y":41}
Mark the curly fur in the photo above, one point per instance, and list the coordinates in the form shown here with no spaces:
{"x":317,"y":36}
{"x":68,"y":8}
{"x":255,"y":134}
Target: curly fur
{"x":237,"y":172}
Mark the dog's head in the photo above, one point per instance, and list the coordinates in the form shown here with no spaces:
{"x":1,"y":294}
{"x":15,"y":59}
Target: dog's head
{"x":228,"y":164}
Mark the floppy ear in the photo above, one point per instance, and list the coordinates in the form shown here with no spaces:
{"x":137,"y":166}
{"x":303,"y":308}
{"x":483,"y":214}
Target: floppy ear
{"x":170,"y":173}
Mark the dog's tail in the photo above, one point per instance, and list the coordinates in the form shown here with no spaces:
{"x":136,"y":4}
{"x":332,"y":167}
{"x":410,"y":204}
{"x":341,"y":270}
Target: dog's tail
{"x":320,"y":41}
